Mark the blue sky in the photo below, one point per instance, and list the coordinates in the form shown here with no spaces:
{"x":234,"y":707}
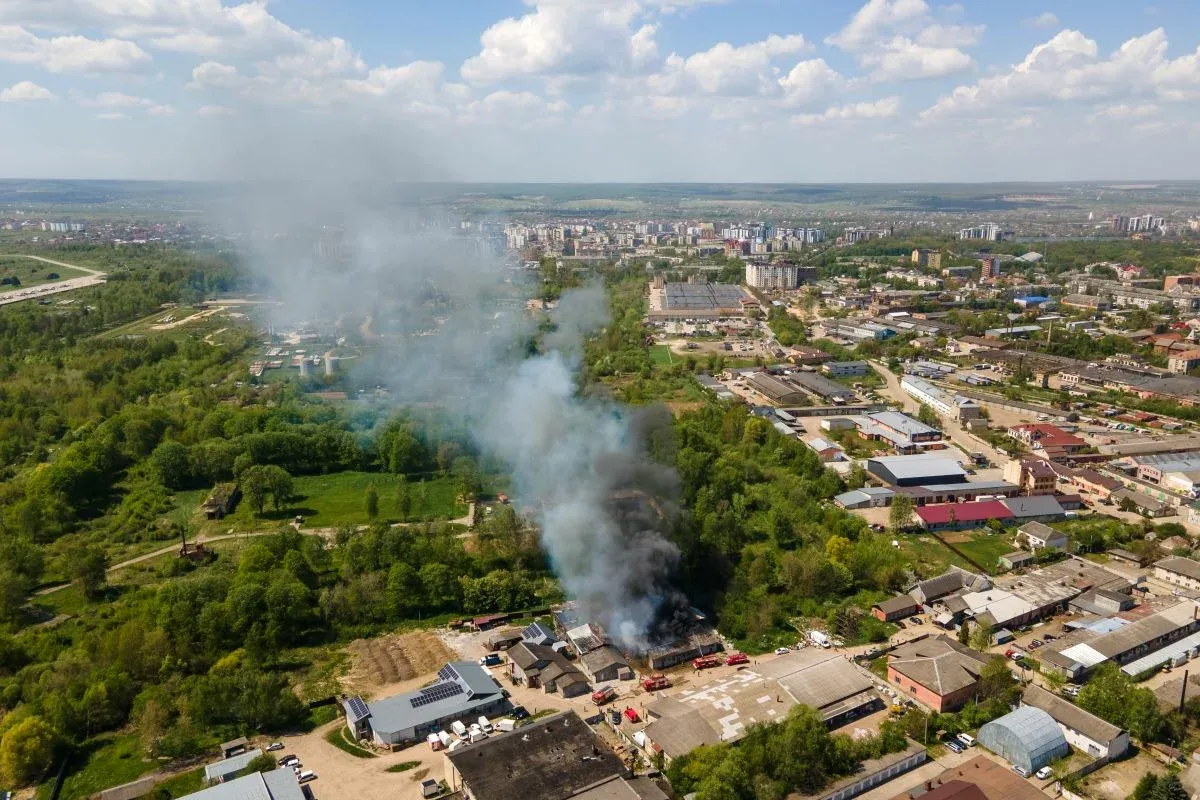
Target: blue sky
{"x":579,"y":90}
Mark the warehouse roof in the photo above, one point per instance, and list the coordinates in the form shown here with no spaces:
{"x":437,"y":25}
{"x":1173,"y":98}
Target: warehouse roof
{"x":1181,"y":566}
{"x":461,"y":687}
{"x":228,"y":766}
{"x":978,"y":511}
{"x":900,"y":422}
{"x":939,"y":664}
{"x":1145,"y":630}
{"x":559,"y":755}
{"x":278,"y":784}
{"x":1038,"y":505}
{"x":1070,"y":715}
{"x":920,"y":466}
{"x":897,"y":604}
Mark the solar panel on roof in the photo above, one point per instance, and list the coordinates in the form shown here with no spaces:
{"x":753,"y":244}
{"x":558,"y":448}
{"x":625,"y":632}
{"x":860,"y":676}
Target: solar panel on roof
{"x":358,"y":709}
{"x":432,"y":694}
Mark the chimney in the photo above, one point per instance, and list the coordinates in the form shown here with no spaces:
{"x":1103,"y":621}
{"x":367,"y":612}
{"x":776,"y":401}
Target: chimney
{"x":1183,"y":691}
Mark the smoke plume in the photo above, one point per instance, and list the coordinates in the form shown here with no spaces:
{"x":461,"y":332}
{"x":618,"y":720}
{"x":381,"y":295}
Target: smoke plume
{"x":444,"y":324}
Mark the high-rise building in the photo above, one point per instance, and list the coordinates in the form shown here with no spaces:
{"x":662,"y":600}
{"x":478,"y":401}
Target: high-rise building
{"x":761,"y":275}
{"x":988,"y":231}
{"x":990,"y":267}
{"x":927,"y":258}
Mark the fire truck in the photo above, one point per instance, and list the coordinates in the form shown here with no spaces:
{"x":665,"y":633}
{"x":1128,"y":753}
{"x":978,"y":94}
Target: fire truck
{"x":704,"y":662}
{"x":736,"y":658}
{"x":655,"y":682}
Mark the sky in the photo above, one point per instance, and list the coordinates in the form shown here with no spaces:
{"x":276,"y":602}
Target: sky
{"x":602,"y":90}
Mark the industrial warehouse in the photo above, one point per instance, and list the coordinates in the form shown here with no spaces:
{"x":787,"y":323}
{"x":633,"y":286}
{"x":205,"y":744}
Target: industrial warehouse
{"x":723,"y":710}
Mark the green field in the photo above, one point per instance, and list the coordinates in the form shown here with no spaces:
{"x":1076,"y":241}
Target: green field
{"x":32,"y":273}
{"x":661,"y":355}
{"x":340,"y":499}
{"x":985,"y":548}
{"x":930,"y":556}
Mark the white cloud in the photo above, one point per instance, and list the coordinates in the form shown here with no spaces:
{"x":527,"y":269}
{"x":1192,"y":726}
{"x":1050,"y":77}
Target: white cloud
{"x":25,"y":92}
{"x":70,"y":54}
{"x":1068,"y":67}
{"x":1125,"y":111}
{"x":877,"y":19}
{"x":900,"y":40}
{"x":215,"y":111}
{"x":111,"y":116}
{"x":165,"y":110}
{"x":809,"y":81}
{"x":214,"y":75}
{"x":114,"y":100}
{"x":726,"y":70}
{"x":903,"y":59}
{"x":421,"y":78}
{"x":878,"y":109}
{"x":564,"y":37}
{"x":1046,"y":19}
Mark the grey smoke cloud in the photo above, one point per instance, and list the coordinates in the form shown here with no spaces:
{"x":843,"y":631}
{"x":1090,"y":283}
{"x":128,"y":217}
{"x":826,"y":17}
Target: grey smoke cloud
{"x":343,"y":248}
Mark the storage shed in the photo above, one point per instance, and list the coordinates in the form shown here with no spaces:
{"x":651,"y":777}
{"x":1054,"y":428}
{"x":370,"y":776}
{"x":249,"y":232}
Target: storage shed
{"x":1027,"y":737}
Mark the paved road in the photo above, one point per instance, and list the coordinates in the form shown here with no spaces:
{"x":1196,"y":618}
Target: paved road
{"x":93,"y":277}
{"x":951,"y":428}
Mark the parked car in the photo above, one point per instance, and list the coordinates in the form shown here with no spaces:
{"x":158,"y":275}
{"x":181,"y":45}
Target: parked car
{"x":1037,"y":643}
{"x":519,"y":712}
{"x":782,"y":651}
{"x":490,"y":660}
{"x":273,"y":746}
{"x":955,"y":746}
{"x":1017,"y":768}
{"x":1050,"y":637}
{"x":289,"y":761}
{"x":967,"y":739}
{"x":1044,"y":773}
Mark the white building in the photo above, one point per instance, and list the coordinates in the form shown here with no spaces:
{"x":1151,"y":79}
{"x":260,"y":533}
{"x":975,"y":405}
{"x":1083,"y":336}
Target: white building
{"x":955,"y":406}
{"x":1178,"y":571}
{"x":1084,"y":731}
{"x":988,"y":231}
{"x":761,"y":275}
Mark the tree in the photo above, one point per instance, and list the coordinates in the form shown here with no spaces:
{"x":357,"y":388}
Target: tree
{"x":372,"y":502}
{"x":964,"y":633}
{"x":279,"y":482}
{"x":87,"y":566}
{"x":13,"y":589}
{"x":838,"y":549}
{"x":996,"y":679}
{"x":403,"y":498}
{"x":255,"y":488}
{"x":27,"y":751}
{"x":173,"y":464}
{"x":1169,"y":787}
{"x":1145,"y":787}
{"x":1054,"y":680}
{"x":981,"y":637}
{"x":900,"y":512}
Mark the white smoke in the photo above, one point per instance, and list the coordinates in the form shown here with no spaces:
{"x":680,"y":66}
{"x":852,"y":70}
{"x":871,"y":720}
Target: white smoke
{"x":429,"y":301}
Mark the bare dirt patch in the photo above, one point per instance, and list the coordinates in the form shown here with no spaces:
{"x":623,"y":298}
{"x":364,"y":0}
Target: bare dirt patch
{"x":955,"y":538}
{"x":386,"y":660}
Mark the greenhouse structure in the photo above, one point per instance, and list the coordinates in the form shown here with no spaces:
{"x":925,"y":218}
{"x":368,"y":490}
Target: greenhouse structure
{"x":1027,"y":737}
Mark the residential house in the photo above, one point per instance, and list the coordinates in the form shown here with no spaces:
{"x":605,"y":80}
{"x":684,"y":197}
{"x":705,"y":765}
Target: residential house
{"x":1037,"y":536}
{"x":1051,"y":440}
{"x":1033,"y":475}
{"x":1143,"y":503}
{"x":606,"y":664}
{"x":954,"y":580}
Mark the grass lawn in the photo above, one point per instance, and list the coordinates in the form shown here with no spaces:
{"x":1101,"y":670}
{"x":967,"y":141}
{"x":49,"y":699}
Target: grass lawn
{"x":184,"y":784}
{"x":337,"y":738}
{"x":32,"y":273}
{"x":661,"y":355}
{"x":403,"y":766}
{"x":986,"y":548}
{"x":69,"y":600}
{"x":106,"y":761}
{"x":340,"y":499}
{"x":929,"y":555}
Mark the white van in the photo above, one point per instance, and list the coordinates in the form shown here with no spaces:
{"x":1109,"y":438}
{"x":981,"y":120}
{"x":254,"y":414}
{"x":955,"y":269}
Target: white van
{"x":484,"y":725}
{"x":459,"y":729}
{"x":306,"y":776}
{"x":967,"y":739}
{"x":506,"y":725}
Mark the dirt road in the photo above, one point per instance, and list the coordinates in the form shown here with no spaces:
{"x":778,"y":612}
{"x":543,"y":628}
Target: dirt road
{"x":325,"y":533}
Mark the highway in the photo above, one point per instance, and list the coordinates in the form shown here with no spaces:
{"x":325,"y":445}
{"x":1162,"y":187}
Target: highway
{"x":93,"y":277}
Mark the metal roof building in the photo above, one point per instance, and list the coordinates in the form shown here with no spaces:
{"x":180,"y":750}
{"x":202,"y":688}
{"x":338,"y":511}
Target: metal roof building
{"x":463,"y":689}
{"x":866,"y":497}
{"x":278,"y":784}
{"x":225,"y":768}
{"x":1027,"y":737}
{"x":916,"y":470}
{"x":1083,"y":730}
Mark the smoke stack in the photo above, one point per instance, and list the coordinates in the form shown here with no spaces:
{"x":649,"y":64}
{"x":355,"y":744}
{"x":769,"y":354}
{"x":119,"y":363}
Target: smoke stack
{"x":1183,"y":691}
